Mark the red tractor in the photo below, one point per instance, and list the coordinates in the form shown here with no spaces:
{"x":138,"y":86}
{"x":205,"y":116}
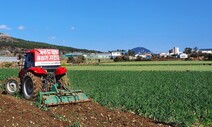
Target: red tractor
{"x":42,"y":78}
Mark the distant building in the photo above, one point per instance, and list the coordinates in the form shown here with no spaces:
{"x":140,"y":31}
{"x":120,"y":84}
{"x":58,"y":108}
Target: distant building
{"x":105,"y":55}
{"x":183,"y":56}
{"x":139,"y":55}
{"x":74,"y":54}
{"x":115,"y":54}
{"x":147,"y":56}
{"x":8,"y":59}
{"x":172,"y":52}
{"x":209,"y":51}
{"x":163,"y":54}
{"x":175,"y":51}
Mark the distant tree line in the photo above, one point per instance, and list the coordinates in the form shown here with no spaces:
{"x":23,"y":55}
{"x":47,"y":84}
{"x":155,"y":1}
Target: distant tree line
{"x":194,"y":53}
{"x":189,"y":50}
{"x":77,"y":60}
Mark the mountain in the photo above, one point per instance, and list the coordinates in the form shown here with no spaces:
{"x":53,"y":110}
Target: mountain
{"x":141,"y":50}
{"x":11,"y":43}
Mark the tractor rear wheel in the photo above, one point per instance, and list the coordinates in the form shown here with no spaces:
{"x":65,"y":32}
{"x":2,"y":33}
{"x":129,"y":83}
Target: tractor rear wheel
{"x":31,"y":86}
{"x":64,"y":81}
{"x":12,"y":85}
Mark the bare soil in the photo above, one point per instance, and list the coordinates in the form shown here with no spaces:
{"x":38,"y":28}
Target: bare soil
{"x":18,"y":112}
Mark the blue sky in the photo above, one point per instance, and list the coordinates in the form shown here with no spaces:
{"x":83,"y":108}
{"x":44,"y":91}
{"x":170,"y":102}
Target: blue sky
{"x":105,"y":25}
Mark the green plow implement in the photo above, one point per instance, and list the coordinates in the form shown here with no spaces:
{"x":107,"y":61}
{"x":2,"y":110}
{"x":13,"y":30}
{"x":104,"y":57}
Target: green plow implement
{"x":58,"y":97}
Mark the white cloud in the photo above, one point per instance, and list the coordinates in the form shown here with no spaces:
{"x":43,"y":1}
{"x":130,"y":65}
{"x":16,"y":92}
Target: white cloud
{"x":52,"y":38}
{"x":72,"y":28}
{"x":21,"y":27}
{"x":4,"y":27}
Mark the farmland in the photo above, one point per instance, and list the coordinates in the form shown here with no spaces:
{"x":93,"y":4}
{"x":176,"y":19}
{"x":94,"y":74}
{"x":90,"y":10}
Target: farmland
{"x":181,"y":97}
{"x":170,"y":92}
{"x":150,"y":66}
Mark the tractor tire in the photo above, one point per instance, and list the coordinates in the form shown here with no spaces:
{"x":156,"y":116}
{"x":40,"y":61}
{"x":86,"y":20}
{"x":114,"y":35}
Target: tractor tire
{"x":31,"y":86}
{"x":12,"y":85}
{"x":64,"y":81}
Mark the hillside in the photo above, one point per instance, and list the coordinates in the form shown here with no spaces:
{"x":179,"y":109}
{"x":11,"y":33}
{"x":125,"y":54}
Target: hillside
{"x":14,"y":44}
{"x":141,"y":50}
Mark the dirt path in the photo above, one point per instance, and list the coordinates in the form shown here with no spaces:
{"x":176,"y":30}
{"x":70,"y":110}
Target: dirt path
{"x":21,"y":113}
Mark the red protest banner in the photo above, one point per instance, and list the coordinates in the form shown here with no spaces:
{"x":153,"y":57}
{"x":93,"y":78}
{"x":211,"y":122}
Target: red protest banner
{"x":45,"y":57}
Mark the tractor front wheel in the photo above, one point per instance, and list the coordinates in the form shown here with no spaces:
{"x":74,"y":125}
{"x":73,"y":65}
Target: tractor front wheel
{"x":31,"y":86}
{"x":12,"y":85}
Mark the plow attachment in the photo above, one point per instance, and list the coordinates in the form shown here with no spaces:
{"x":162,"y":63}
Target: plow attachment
{"x":58,"y":97}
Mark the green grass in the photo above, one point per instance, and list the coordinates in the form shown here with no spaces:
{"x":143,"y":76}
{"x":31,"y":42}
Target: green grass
{"x":145,"y":68}
{"x":6,"y":73}
{"x":101,"y":61}
{"x":149,"y":66}
{"x":154,"y":63}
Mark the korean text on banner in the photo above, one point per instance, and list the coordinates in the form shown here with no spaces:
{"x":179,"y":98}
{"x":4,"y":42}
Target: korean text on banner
{"x":47,"y":57}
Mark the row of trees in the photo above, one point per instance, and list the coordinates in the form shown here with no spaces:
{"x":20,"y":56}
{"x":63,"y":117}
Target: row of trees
{"x":129,"y":56}
{"x":195,"y":53}
{"x":77,"y":60}
{"x":189,"y":50}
